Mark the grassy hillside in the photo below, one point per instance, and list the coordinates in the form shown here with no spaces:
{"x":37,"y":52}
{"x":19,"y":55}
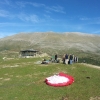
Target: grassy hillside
{"x":23,"y":79}
{"x":87,"y":57}
{"x":85,"y":46}
{"x":52,"y":41}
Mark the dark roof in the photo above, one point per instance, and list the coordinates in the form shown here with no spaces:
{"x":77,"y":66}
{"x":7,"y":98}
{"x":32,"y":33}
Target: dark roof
{"x":30,"y":50}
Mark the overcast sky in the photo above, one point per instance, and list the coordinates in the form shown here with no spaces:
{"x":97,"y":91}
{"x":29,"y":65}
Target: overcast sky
{"x":49,"y":15}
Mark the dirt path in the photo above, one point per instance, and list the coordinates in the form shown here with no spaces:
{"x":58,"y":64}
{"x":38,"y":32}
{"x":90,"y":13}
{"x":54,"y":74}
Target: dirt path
{"x":93,"y":66}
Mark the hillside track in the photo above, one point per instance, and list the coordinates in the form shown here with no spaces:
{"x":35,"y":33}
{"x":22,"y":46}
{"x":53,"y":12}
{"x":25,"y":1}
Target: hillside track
{"x":92,"y":66}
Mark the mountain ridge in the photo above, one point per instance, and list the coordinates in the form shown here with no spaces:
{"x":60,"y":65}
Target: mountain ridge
{"x":51,"y":40}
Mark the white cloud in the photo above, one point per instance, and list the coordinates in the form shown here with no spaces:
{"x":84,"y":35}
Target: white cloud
{"x":4,"y":24}
{"x":29,"y":18}
{"x":5,"y":2}
{"x":56,"y":9}
{"x":37,"y":4}
{"x":21,"y":4}
{"x":3,"y":13}
{"x":84,"y":18}
{"x":90,"y":21}
{"x":6,"y":14}
{"x":24,"y":4}
{"x":48,"y":17}
{"x":9,"y":24}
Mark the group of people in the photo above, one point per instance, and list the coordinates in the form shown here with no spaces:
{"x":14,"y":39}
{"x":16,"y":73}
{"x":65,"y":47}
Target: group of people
{"x":66,"y":59}
{"x":69,"y":59}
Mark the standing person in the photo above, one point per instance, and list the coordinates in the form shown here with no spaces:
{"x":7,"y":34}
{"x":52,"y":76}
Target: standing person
{"x":71,"y":59}
{"x":63,"y":59}
{"x":77,"y":59}
{"x":56,"y":58}
{"x":66,"y":59}
{"x":53,"y":58}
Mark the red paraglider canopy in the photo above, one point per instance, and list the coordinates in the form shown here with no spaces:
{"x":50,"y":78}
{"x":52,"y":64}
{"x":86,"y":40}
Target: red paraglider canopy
{"x":59,"y":80}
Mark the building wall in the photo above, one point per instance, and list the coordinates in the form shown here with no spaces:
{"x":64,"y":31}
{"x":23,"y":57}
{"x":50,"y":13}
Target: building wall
{"x":28,"y":54}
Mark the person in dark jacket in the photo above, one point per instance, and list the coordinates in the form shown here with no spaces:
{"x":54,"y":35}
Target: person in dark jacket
{"x":56,"y":58}
{"x":66,"y":59}
{"x":71,"y":59}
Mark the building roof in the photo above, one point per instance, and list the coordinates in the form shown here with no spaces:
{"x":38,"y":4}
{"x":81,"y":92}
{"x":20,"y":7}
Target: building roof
{"x":29,"y":50}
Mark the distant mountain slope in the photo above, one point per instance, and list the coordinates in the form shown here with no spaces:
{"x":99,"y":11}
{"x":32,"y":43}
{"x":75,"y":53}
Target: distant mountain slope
{"x":51,"y":40}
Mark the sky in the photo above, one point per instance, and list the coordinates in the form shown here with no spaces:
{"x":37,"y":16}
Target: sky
{"x":17,"y":16}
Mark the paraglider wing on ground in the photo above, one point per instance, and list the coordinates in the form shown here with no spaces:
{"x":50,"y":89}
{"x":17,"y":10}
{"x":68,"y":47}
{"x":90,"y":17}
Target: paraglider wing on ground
{"x":59,"y":80}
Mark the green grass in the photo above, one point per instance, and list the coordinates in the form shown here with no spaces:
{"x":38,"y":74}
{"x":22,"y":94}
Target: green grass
{"x":23,"y":79}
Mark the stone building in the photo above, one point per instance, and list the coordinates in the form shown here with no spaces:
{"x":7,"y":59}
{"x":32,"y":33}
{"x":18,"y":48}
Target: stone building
{"x":28,"y":53}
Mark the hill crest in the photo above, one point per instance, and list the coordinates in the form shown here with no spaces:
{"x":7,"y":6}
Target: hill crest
{"x":52,"y":40}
